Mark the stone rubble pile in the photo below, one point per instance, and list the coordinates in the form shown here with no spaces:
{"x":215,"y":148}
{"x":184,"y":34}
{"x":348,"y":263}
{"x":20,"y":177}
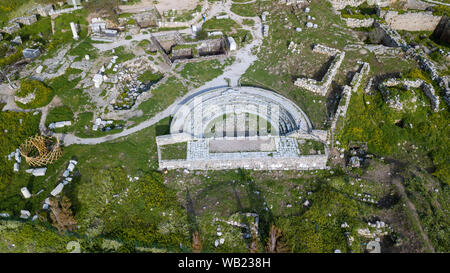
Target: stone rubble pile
{"x":17,"y":157}
{"x":293,"y":48}
{"x":127,"y":80}
{"x":103,"y":125}
{"x":347,"y":93}
{"x":252,"y":229}
{"x":66,"y":179}
{"x":408,"y":84}
{"x":59,"y":124}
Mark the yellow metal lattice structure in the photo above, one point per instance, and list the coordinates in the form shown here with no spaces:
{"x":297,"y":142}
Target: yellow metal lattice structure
{"x":47,"y":150}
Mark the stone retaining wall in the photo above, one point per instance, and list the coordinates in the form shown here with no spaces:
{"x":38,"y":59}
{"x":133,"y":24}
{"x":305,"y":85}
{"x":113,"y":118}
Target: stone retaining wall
{"x":412,"y":21}
{"x":418,"y":83}
{"x":354,"y":23}
{"x":390,"y":37}
{"x":311,"y":162}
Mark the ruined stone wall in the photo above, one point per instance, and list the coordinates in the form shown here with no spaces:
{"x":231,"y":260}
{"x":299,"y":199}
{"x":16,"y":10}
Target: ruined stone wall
{"x":323,"y":86}
{"x":173,"y":138}
{"x":431,"y":94}
{"x":310,"y":162}
{"x":197,"y":59}
{"x":412,"y":21}
{"x":321,"y":135}
{"x":182,"y":53}
{"x":354,"y":23}
{"x":340,"y":4}
{"x":418,"y":83}
{"x":429,"y":66}
{"x":211,"y":47}
{"x":390,"y":37}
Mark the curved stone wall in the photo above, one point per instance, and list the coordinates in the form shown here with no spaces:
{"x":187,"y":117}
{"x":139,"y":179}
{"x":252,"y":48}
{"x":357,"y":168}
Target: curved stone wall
{"x":193,"y":115}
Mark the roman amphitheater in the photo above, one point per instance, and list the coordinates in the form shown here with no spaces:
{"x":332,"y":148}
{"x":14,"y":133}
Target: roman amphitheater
{"x":242,"y":127}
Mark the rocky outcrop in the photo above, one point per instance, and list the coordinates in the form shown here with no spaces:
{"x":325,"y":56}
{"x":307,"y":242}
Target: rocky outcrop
{"x":354,"y":23}
{"x":442,"y":31}
{"x":387,"y":36}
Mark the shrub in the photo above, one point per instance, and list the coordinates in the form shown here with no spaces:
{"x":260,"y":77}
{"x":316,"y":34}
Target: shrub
{"x":43,"y":94}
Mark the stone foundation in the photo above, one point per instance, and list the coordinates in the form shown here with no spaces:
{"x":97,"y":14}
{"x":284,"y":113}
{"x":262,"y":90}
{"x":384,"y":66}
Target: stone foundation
{"x":323,"y":86}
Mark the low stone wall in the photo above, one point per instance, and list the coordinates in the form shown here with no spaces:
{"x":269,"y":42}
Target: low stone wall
{"x":323,"y":86}
{"x":174,"y":138}
{"x":315,"y":134}
{"x":412,"y":21}
{"x":62,"y":11}
{"x":198,"y":59}
{"x":354,"y":23}
{"x":340,"y":4}
{"x":429,"y":66}
{"x":311,"y":162}
{"x":347,"y":94}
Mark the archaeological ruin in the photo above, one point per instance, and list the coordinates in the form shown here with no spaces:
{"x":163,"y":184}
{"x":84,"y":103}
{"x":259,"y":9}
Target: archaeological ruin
{"x":242,"y":127}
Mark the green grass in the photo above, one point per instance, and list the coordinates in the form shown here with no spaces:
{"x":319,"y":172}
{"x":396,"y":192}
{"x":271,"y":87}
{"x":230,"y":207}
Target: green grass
{"x":308,"y":145}
{"x":43,"y":94}
{"x":248,"y":22}
{"x":245,"y":10}
{"x":84,"y":48}
{"x":19,"y":127}
{"x":174,"y":151}
{"x":60,"y":113}
{"x":162,"y":96}
{"x":226,"y":25}
{"x":203,"y":71}
{"x":150,"y":77}
{"x":430,"y":206}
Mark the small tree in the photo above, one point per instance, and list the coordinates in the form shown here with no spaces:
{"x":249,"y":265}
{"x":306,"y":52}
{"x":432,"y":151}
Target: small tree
{"x":61,"y":214}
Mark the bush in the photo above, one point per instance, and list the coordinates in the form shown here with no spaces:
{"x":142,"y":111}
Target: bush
{"x":43,"y":94}
{"x":16,"y":56}
{"x":150,"y":77}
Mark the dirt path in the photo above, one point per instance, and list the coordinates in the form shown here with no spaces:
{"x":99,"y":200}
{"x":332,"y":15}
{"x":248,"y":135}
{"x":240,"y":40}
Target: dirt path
{"x":397,"y":182}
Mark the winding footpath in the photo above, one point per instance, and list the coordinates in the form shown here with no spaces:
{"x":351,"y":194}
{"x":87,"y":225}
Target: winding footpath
{"x":244,"y":58}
